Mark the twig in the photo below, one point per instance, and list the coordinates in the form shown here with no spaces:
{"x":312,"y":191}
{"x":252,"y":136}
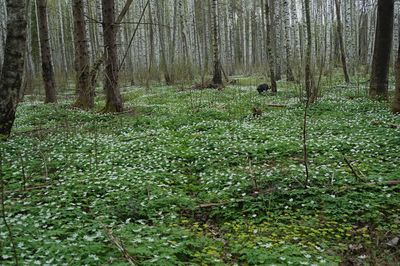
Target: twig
{"x":356,"y":175}
{"x":277,"y":105}
{"x":217,"y":204}
{"x":23,"y":172}
{"x":392,"y":182}
{"x":118,"y":243}
{"x":305,"y":152}
{"x":255,"y":194}
{"x":253,"y":177}
{"x":27,"y":189}
{"x":46,"y":170}
{"x":133,"y":35}
{"x":395,"y":126}
{"x":3,"y":212}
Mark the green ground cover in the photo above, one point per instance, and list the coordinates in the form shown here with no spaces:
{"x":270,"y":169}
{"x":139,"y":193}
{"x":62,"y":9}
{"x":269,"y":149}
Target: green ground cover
{"x":192,"y":178}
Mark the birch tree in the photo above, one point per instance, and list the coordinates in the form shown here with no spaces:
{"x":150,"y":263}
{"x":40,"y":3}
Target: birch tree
{"x":396,"y":102}
{"x":286,"y":12}
{"x":271,"y":58}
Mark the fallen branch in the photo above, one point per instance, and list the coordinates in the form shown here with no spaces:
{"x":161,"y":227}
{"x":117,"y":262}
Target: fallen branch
{"x":27,"y":189}
{"x":392,"y":182}
{"x":277,"y":105}
{"x":391,"y":125}
{"x":356,"y":175}
{"x":118,"y":243}
{"x":217,"y":204}
{"x":395,"y":126}
{"x":255,"y":194}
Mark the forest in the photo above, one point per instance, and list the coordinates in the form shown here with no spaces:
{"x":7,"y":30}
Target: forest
{"x":199,"y":132}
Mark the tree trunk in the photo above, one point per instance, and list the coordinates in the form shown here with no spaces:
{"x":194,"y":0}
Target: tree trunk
{"x":47,"y":63}
{"x":271,"y":58}
{"x":289,"y":71}
{"x":217,"y":76}
{"x":62,"y":39}
{"x":100,"y":60}
{"x":396,"y":103}
{"x":341,"y":43}
{"x":382,"y":50}
{"x":13,"y":66}
{"x":311,"y":95}
{"x":276,"y":41}
{"x":161,"y":35}
{"x":113,"y":96}
{"x":29,"y":68}
{"x":3,"y":19}
{"x":85,"y":99}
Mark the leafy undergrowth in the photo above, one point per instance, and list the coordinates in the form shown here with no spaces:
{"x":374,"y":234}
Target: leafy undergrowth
{"x":192,"y":178}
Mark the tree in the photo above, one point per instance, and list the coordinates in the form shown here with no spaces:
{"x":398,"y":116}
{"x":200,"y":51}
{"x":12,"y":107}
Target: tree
{"x":217,"y":76}
{"x":113,"y":95}
{"x":341,"y":43}
{"x":164,"y":65}
{"x":85,"y":99}
{"x":382,"y":50}
{"x":286,"y":12}
{"x":396,"y":103}
{"x":13,"y":66}
{"x":47,"y":62}
{"x":310,"y":90}
{"x":271,"y":59}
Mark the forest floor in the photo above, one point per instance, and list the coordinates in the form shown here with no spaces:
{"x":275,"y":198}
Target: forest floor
{"x":193,"y":178}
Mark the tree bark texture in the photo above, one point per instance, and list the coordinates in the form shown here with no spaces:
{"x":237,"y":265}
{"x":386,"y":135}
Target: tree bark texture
{"x":113,"y":95}
{"x":47,"y":63}
{"x":271,"y":58}
{"x":13,"y":66}
{"x":341,"y":43}
{"x":217,"y":76}
{"x":85,"y":99}
{"x":396,"y":103}
{"x":382,"y":50}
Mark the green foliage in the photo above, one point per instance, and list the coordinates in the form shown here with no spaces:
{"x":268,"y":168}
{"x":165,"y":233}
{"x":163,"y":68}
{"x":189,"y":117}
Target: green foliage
{"x":71,"y":176}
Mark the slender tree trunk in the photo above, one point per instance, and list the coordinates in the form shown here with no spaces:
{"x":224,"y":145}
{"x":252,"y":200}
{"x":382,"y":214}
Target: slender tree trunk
{"x":85,"y":99}
{"x":276,"y":41}
{"x":383,"y":45}
{"x":184,"y":38}
{"x":13,"y":66}
{"x":113,"y":96}
{"x":311,"y":97}
{"x":62,"y":39}
{"x":363,"y":35}
{"x":3,"y":19}
{"x":396,"y":103}
{"x":271,"y":58}
{"x":29,"y":68}
{"x":341,"y":43}
{"x":161,"y":35}
{"x":152,"y":55}
{"x":47,"y":62}
{"x":217,"y":76}
{"x":289,"y":71}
